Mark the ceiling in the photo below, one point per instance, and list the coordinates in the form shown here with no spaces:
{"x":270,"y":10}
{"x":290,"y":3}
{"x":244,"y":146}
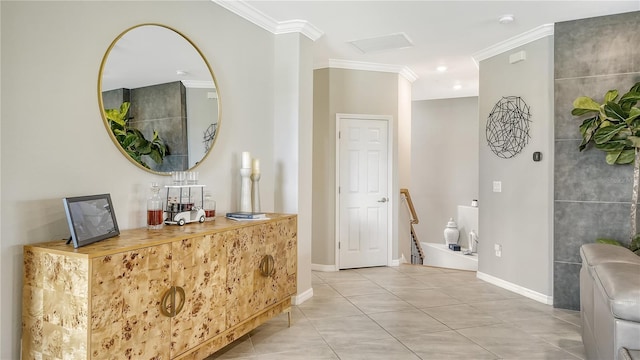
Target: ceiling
{"x":443,"y":33}
{"x":138,"y":58}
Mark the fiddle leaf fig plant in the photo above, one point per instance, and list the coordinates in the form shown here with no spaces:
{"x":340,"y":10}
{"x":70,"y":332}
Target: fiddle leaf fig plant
{"x":132,"y":140}
{"x":614,"y":127}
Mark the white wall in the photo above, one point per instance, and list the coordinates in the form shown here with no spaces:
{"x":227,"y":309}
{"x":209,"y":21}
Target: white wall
{"x":404,"y":168}
{"x":53,"y":141}
{"x":200,"y":109}
{"x":350,"y":92}
{"x":520,"y":218}
{"x":444,"y":169}
{"x":323,"y":235}
{"x":293,"y":142}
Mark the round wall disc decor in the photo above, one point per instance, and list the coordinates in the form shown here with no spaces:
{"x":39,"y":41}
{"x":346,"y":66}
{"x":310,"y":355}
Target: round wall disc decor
{"x":508,"y":127}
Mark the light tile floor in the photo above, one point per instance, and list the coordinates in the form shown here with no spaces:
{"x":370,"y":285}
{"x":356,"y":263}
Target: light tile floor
{"x":412,"y":312}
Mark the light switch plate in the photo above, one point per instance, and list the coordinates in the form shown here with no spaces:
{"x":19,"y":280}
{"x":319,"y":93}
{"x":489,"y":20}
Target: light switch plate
{"x":497,"y":186}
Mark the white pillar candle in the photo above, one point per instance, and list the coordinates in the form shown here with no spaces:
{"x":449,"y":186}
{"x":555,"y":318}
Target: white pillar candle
{"x":246,"y":160}
{"x":256,"y":166}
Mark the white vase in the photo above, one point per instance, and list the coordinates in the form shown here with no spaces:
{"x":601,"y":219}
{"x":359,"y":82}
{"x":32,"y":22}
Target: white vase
{"x":245,"y":189}
{"x":451,"y":233}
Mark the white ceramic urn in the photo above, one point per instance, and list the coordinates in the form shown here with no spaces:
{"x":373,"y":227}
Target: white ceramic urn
{"x":451,"y":233}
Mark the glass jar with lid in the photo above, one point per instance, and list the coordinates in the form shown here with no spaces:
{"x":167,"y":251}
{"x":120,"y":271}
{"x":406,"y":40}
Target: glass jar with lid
{"x":155,"y":214}
{"x":209,"y":206}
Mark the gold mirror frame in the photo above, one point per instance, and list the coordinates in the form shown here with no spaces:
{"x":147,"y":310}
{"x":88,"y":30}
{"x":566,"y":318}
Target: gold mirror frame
{"x":102,"y":107}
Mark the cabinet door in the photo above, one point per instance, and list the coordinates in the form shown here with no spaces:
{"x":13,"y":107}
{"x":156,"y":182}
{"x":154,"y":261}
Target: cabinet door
{"x":55,"y":306}
{"x":126,"y":288}
{"x":244,"y":250}
{"x":287,"y":237}
{"x":282,"y":246}
{"x":199,"y":267}
{"x":249,"y":290}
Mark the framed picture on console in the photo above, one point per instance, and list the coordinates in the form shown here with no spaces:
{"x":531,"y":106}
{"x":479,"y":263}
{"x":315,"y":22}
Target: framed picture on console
{"x":91,"y":218}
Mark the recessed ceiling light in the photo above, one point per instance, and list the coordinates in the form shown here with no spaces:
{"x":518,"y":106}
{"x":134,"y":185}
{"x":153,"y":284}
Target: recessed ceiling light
{"x":441,"y":68}
{"x":181,"y":72}
{"x":457,"y":87}
{"x":506,"y":19}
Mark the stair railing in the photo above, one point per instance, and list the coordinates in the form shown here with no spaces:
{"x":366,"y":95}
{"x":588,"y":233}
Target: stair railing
{"x":417,"y":255}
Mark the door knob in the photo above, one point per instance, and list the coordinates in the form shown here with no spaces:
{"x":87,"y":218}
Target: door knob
{"x":383,"y":200}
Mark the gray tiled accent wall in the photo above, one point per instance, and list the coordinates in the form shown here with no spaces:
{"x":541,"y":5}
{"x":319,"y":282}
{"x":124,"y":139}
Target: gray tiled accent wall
{"x":591,"y":198}
{"x":162,"y":108}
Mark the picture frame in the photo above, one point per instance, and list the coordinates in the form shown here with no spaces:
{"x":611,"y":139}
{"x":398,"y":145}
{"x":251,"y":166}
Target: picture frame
{"x":91,"y":218}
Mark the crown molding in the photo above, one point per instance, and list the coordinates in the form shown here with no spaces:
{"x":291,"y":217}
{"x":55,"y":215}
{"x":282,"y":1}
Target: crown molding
{"x":248,"y":12}
{"x":514,"y":42}
{"x":300,"y":26}
{"x":404,"y":71}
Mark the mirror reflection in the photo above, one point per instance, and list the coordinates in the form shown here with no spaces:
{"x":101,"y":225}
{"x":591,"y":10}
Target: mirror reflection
{"x":159,"y":99}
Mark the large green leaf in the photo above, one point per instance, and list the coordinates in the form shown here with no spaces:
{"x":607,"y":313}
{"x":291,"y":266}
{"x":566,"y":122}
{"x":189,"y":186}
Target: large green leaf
{"x":587,"y":129}
{"x":124,"y":108}
{"x":633,"y":141}
{"x":634,"y":114}
{"x":626,"y":157}
{"x":586,"y":103}
{"x":607,"y":133}
{"x":155,"y":156}
{"x":613,"y":145}
{"x":114,"y":115}
{"x":615,"y":112}
{"x":628,"y":100}
{"x":143,"y":146}
{"x":130,"y":139}
{"x":579,"y":112}
{"x":630,"y":96}
{"x":620,"y":157}
{"x":612,"y":157}
{"x":611,"y":95}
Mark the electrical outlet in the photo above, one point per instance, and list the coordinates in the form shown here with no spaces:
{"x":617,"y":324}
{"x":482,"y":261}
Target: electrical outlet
{"x":498,"y":249}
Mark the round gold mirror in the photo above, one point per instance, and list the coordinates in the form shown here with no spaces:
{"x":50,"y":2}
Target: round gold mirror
{"x":159,"y":99}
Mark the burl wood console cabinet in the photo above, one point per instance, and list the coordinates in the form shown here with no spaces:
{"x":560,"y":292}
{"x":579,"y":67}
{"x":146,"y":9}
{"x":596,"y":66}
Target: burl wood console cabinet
{"x":177,"y":293}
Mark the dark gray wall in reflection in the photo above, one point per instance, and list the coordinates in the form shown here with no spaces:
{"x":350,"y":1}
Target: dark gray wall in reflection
{"x":162,"y":108}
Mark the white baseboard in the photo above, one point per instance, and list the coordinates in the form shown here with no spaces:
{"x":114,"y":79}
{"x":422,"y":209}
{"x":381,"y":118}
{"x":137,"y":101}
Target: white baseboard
{"x":323,"y":268}
{"x":534,"y":295}
{"x":302,"y":297}
{"x":395,"y":262}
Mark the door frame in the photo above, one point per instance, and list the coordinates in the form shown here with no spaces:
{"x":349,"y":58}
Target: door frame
{"x":391,"y":194}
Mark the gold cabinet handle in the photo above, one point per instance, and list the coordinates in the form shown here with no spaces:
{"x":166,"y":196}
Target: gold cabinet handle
{"x":180,"y":291}
{"x":168,"y":305}
{"x":267,"y":265}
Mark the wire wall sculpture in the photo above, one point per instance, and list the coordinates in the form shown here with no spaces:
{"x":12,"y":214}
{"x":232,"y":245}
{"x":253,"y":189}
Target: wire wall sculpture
{"x":209,"y":135}
{"x":508,"y":127}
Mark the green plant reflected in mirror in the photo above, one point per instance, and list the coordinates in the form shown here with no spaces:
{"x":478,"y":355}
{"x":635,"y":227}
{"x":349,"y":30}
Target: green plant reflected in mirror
{"x":159,"y":99}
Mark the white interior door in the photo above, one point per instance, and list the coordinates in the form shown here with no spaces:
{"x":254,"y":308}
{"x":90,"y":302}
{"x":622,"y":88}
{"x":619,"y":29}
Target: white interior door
{"x":363,"y":195}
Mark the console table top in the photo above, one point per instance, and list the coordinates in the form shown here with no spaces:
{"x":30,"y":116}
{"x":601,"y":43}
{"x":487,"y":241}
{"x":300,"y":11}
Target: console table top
{"x":142,"y":237}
